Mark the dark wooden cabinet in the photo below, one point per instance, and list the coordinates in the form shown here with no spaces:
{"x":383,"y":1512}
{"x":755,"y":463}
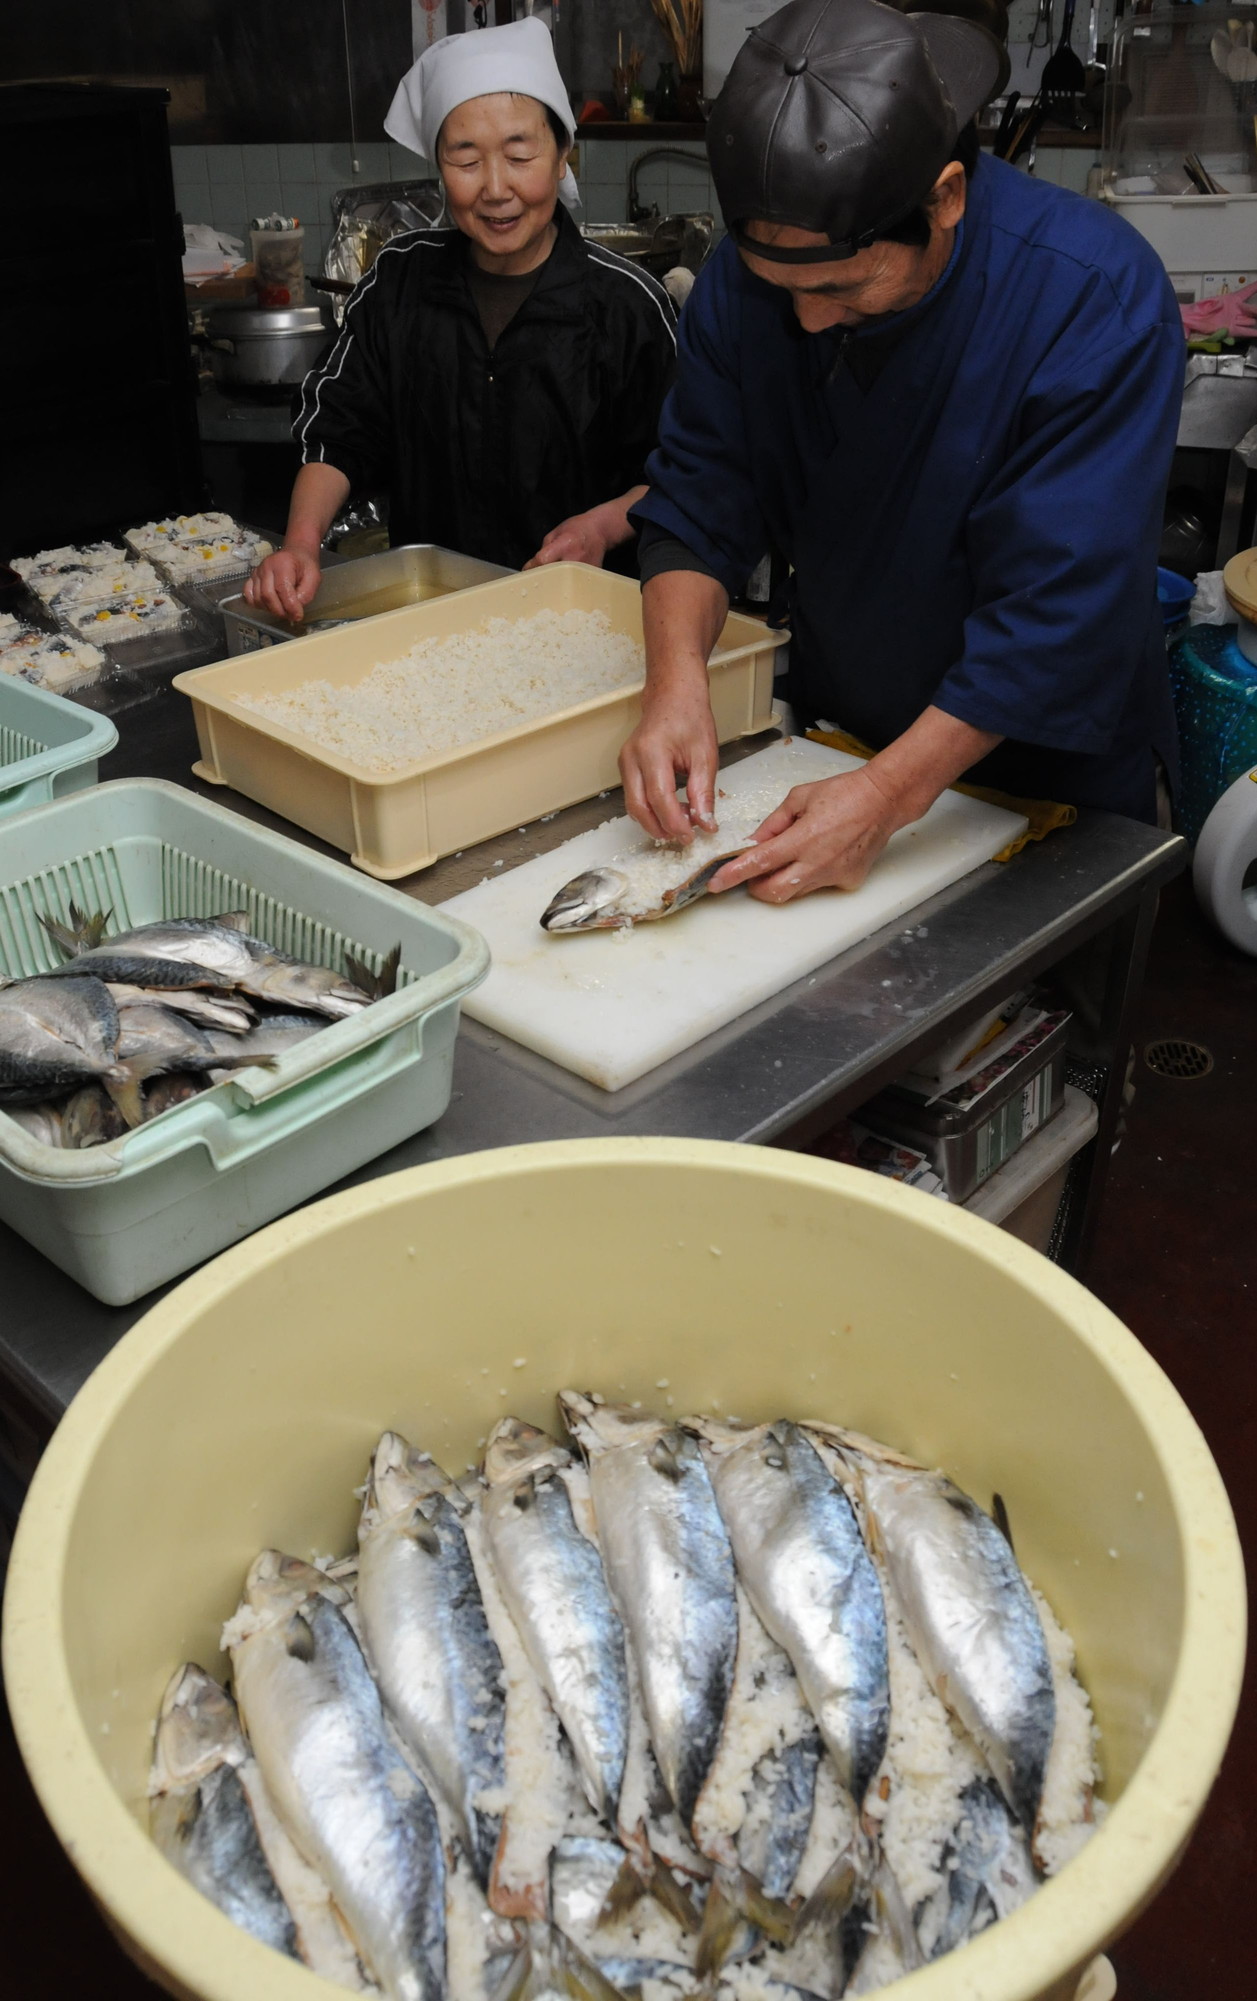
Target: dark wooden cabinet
{"x":97,"y":393}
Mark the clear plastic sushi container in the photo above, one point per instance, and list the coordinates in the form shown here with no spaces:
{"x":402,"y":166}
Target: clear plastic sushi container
{"x":127,"y":1216}
{"x":241,"y":1409}
{"x":106,"y":689}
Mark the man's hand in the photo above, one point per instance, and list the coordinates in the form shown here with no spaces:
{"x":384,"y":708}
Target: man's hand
{"x":285,"y":583}
{"x":822,"y":836}
{"x":683,"y":615}
{"x":675,"y":740}
{"x":829,"y":834}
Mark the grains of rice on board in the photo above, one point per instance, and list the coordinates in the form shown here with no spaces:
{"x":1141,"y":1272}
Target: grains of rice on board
{"x":446,"y":692}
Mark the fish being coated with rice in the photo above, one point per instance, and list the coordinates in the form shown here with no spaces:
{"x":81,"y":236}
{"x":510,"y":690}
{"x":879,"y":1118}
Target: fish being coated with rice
{"x":200,"y":1814}
{"x":427,"y":1638}
{"x":804,"y":1566}
{"x":968,"y":1609}
{"x":353,"y":1806}
{"x":551,"y":1575}
{"x":670,"y":1569}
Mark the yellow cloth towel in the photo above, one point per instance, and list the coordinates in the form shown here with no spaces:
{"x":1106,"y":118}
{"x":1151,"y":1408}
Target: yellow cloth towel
{"x":1044,"y":815}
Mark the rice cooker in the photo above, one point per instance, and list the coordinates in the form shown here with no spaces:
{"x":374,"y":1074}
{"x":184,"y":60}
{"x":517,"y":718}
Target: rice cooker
{"x":255,"y":347}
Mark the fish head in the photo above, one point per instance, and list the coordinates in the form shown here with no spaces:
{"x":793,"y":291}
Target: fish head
{"x":598,"y":1426}
{"x":197,"y":1730}
{"x":400,"y":1478}
{"x":278,"y":1585}
{"x":587,"y":902}
{"x":517,"y":1449}
{"x":313,"y":988}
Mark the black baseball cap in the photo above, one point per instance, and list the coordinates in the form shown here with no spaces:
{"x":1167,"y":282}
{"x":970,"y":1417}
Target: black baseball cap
{"x":839,"y":115}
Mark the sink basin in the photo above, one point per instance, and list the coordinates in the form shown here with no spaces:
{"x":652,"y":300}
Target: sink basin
{"x":658,"y":245}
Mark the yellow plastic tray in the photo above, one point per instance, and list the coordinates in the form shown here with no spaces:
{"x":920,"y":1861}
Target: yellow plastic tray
{"x":241,"y":1410}
{"x":392,"y":826}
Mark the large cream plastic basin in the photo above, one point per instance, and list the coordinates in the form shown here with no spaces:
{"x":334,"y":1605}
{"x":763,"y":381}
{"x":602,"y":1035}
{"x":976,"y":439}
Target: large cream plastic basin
{"x":239,"y":1413}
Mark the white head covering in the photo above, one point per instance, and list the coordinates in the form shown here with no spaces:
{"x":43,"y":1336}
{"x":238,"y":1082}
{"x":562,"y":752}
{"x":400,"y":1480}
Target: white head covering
{"x":518,"y":58}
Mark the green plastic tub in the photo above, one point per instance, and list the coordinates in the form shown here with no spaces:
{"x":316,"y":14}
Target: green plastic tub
{"x":48,"y":747}
{"x":123,"y":1218}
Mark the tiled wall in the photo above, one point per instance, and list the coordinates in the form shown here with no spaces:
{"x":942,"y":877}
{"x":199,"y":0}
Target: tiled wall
{"x":226,"y":185}
{"x":672,"y":188}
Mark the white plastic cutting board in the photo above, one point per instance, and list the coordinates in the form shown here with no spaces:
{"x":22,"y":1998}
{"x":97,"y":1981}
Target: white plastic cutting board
{"x":611,"y":1005}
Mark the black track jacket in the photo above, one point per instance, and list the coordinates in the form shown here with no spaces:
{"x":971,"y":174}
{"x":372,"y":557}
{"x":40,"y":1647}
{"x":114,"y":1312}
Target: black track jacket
{"x":486,"y":452}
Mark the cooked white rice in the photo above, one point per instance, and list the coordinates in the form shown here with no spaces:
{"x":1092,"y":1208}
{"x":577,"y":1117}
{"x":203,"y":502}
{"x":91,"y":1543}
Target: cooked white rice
{"x":447,"y":692}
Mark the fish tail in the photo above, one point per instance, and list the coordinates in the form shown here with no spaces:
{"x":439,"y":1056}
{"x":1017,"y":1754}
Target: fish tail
{"x":721,"y":1923}
{"x":830,"y":1901}
{"x":674,"y":1898}
{"x":627,"y":1890}
{"x":123,"y":1085}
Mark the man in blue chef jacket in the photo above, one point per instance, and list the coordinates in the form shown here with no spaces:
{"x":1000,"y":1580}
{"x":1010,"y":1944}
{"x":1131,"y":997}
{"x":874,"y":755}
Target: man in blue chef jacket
{"x":947,"y":394}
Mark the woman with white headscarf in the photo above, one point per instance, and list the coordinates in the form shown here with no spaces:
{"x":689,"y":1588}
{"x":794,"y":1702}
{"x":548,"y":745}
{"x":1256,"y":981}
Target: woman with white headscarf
{"x":502,"y":378}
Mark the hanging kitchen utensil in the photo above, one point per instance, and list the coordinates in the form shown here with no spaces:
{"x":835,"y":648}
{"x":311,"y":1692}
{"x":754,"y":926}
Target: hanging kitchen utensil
{"x":1027,"y":131}
{"x":1041,"y":36}
{"x":1006,"y":124}
{"x":1064,"y":79}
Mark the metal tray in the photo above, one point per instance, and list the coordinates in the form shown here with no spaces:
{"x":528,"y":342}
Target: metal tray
{"x":362,"y":587}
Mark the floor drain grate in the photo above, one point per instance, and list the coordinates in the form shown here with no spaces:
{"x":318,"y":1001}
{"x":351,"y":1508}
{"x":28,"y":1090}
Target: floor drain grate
{"x":1174,"y":1057}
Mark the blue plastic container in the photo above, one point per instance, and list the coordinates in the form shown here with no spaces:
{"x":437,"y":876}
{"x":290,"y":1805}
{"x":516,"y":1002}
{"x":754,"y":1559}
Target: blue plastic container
{"x":1215,"y":699}
{"x":1174,"y":595}
{"x":48,"y":746}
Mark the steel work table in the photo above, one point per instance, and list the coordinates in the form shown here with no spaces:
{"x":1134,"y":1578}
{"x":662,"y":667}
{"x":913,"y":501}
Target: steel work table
{"x":780,"y":1075}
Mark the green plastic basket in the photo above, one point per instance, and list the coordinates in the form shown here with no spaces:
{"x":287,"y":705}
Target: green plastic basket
{"x":126,"y":1217}
{"x":48,"y":747}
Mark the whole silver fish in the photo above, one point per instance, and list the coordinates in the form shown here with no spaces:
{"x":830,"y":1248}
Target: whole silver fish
{"x":552,"y":1578}
{"x":969,"y":1613}
{"x":200,"y":1814}
{"x":231,"y":1012}
{"x":804,"y":1566}
{"x":670,"y":1569}
{"x":607,"y":899}
{"x":55,"y":1038}
{"x":427,"y":1638}
{"x":153,"y":1039}
{"x":353,"y":1806}
{"x":268,"y":1038}
{"x":202,"y":952}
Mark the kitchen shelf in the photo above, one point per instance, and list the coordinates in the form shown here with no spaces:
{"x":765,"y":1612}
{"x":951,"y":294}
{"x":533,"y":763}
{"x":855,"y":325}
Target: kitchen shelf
{"x":652,"y":128}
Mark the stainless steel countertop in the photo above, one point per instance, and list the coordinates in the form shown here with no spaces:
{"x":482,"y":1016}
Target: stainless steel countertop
{"x":780,"y":1073}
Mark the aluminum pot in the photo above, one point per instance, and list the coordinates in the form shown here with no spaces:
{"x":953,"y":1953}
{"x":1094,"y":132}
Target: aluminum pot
{"x":254,"y":347}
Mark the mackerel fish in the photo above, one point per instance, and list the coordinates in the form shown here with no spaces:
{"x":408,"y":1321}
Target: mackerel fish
{"x":53,"y":1040}
{"x":184,"y":952}
{"x":805,"y":1569}
{"x":356,"y":1810}
{"x":670,"y":1569}
{"x":426,"y":1636}
{"x":551,"y":1575}
{"x":200,"y":1815}
{"x":968,"y":1610}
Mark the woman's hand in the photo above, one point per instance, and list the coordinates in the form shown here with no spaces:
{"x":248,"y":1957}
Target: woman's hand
{"x":585,"y":538}
{"x":826,"y":835}
{"x":284,"y":583}
{"x":582,"y":538}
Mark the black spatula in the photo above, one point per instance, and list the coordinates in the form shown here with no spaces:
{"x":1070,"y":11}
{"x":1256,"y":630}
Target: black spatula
{"x":1064,"y":79}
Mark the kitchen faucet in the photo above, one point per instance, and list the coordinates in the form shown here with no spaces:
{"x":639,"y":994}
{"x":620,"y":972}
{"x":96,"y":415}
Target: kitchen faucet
{"x":637,"y":212}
